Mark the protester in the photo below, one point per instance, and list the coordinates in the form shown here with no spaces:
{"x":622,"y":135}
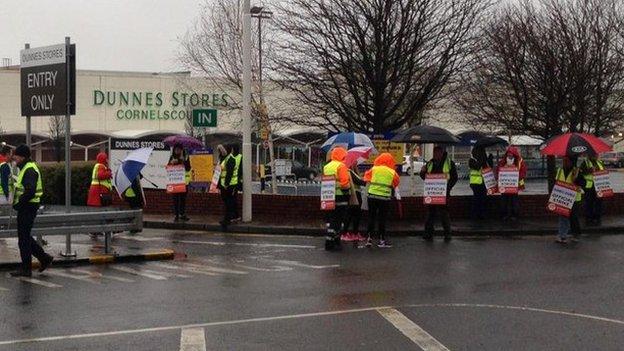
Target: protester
{"x":101,"y":183}
{"x":28,"y":192}
{"x":382,"y":180}
{"x":511,"y":202}
{"x":593,"y":204}
{"x":6,"y":180}
{"x":179,"y":156}
{"x":570,"y":174}
{"x":231,"y":180}
{"x":337,"y":169}
{"x":476,"y":164}
{"x":134,"y":194}
{"x":354,"y":213}
{"x":440,"y":163}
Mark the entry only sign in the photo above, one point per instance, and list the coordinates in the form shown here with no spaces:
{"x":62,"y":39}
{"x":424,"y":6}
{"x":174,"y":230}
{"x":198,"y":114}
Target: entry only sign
{"x":43,"y":80}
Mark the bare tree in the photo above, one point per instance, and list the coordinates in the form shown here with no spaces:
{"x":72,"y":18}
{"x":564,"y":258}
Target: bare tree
{"x":56,"y":130}
{"x":372,"y":65}
{"x":548,"y":67}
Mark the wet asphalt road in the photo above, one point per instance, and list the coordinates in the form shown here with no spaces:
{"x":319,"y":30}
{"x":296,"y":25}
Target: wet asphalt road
{"x":287,"y":293}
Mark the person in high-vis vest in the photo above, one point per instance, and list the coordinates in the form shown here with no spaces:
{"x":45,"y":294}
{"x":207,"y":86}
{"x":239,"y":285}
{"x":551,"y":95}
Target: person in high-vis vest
{"x":134,"y":194}
{"x":570,"y":174}
{"x":476,"y":164}
{"x":593,"y":204}
{"x":6,"y":179}
{"x":382,"y":179}
{"x":28,"y":192}
{"x":440,"y":163}
{"x":179,"y":156}
{"x":511,"y":202}
{"x":101,"y":181}
{"x":229,"y":184}
{"x":336,"y":168}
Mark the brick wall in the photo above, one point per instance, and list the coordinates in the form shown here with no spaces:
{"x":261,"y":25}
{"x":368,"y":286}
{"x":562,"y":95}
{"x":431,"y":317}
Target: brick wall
{"x":294,"y":208}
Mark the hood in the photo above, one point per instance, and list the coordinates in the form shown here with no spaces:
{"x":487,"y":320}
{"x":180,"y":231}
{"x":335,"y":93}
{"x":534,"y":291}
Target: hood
{"x":339,"y":154}
{"x":102,"y":158}
{"x":385,"y":159}
{"x":512,"y":150}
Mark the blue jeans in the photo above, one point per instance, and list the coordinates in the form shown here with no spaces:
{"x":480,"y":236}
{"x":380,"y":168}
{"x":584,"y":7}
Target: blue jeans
{"x":571,"y":224}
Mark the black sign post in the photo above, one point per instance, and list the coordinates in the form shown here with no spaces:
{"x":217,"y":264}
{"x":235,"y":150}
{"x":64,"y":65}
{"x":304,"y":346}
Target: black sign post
{"x":48,"y":88}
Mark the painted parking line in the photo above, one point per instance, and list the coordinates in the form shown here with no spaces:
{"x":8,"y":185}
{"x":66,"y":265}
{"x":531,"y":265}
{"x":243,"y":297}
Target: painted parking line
{"x":133,"y":271}
{"x":412,"y":330}
{"x":98,"y":275}
{"x":70,"y":275}
{"x":36,"y":282}
{"x":222,"y":243}
{"x":193,"y":339}
{"x":183,"y":268}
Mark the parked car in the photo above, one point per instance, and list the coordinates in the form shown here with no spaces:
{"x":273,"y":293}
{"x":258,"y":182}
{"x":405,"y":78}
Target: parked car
{"x":406,"y":167}
{"x":613,"y":159}
{"x":298,"y":171}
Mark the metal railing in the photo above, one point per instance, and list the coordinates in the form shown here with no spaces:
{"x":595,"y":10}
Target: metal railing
{"x":84,"y":222}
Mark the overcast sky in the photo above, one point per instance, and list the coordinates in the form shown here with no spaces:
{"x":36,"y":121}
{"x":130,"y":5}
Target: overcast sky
{"x":127,"y":35}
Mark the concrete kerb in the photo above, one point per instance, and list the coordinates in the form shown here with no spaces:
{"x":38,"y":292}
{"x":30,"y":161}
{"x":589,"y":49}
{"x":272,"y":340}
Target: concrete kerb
{"x":158,"y":255}
{"x":409,"y":231}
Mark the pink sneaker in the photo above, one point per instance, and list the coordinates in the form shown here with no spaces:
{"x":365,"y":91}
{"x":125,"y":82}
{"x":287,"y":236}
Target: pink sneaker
{"x":346,"y":237}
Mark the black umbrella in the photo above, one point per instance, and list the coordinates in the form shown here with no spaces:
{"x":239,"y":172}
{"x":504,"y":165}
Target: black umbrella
{"x":469,"y":138}
{"x":426,"y":135}
{"x":490,"y":140}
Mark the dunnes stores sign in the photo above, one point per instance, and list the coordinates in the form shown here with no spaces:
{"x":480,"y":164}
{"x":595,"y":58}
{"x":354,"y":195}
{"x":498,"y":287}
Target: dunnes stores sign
{"x":141,"y":105}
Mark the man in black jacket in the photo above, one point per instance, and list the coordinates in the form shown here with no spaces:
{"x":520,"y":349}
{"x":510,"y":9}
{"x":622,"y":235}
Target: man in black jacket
{"x":28,"y":192}
{"x":440,"y":163}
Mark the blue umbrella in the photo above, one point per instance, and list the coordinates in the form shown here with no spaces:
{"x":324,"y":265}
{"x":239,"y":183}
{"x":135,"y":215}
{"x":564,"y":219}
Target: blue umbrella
{"x":130,"y":168}
{"x":348,"y":140}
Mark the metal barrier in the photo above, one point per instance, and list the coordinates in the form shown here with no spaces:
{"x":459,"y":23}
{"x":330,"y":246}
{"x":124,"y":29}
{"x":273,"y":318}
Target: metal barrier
{"x":107,"y":222}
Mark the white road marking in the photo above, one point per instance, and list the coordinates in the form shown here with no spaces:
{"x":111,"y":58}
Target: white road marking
{"x":251,"y":268}
{"x":222,"y":243}
{"x":36,"y":282}
{"x":187,"y":326}
{"x":185,"y":269}
{"x":412,"y":330}
{"x":137,"y":238}
{"x":296,"y":316}
{"x":212,"y":268}
{"x":98,"y":275}
{"x":79,"y":276}
{"x":3,"y":289}
{"x":138,"y":272}
{"x":165,"y":274}
{"x":193,"y":339}
{"x":299,"y":264}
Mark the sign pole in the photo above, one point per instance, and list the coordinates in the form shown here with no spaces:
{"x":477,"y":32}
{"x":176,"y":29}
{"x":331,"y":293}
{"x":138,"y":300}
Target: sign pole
{"x":29,"y":134}
{"x":246,"y":115}
{"x":68,"y":249}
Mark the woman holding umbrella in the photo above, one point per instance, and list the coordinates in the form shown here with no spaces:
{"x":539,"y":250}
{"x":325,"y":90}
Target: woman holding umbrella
{"x":570,"y":146}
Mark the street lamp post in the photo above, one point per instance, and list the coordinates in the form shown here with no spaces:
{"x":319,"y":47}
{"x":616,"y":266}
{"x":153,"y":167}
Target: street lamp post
{"x":246,"y":113}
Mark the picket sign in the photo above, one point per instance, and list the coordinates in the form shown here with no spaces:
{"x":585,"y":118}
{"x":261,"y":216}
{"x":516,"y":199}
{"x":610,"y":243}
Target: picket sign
{"x":175,"y":179}
{"x":602,"y":184}
{"x":508,"y":180}
{"x":214,"y":183}
{"x":328,"y":193}
{"x":562,"y":198}
{"x":489,"y":180}
{"x":435,"y":186}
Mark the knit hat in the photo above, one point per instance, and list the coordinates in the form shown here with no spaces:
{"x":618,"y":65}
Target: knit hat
{"x":22,"y":150}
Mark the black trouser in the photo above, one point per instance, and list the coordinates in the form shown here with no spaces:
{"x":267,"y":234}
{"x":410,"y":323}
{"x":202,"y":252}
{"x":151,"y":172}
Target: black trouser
{"x":228,"y":195}
{"x":134,"y":202}
{"x":377,"y":212}
{"x":354,"y":215}
{"x":511,"y":204}
{"x":179,"y":204}
{"x":27,"y":245}
{"x":593,"y":205}
{"x":339,"y":215}
{"x":479,"y":199}
{"x":432,"y":212}
{"x":575,"y":224}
